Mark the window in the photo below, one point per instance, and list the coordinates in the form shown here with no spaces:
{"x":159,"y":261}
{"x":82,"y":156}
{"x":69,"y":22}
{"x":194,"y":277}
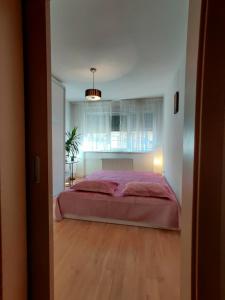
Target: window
{"x":118,"y":133}
{"x":130,"y":126}
{"x":115,"y":123}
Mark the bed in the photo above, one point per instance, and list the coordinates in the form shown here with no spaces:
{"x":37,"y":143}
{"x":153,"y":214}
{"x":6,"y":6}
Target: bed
{"x":120,"y":209}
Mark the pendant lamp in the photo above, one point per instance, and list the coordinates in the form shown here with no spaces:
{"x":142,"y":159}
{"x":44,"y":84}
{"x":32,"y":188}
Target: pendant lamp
{"x":93,"y":94}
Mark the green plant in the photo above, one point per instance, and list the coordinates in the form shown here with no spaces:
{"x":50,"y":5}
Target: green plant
{"x":72,"y":143}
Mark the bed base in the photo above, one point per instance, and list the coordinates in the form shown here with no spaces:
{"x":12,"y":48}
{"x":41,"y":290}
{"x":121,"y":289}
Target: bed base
{"x":117,"y":222}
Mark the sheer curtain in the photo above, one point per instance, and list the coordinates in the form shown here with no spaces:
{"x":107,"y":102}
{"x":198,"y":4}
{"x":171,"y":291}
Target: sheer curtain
{"x":93,"y":120}
{"x":143,"y":124}
{"x":126,"y":125}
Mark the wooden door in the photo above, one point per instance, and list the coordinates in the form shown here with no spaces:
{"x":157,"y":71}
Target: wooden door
{"x":209,"y":162}
{"x":203,"y":151}
{"x":13,"y":266}
{"x":222,"y":234}
{"x":38,"y":147}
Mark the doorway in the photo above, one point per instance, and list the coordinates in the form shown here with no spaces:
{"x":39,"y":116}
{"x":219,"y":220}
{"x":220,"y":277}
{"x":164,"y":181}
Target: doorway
{"x":122,"y":132}
{"x":37,"y":268}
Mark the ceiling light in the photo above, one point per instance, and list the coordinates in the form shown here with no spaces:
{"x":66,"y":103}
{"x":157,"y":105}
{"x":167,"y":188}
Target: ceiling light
{"x":93,"y":94}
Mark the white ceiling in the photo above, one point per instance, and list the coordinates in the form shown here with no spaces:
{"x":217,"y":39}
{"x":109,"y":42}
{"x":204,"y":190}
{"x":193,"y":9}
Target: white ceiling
{"x":136,"y":45}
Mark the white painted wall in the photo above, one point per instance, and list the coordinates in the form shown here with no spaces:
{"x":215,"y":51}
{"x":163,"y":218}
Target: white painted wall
{"x":58,"y":137}
{"x":68,"y":116}
{"x":68,"y":127}
{"x":173,"y":132}
{"x":92,"y":161}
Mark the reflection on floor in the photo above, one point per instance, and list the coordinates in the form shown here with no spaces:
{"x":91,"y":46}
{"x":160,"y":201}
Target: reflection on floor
{"x":97,"y":261}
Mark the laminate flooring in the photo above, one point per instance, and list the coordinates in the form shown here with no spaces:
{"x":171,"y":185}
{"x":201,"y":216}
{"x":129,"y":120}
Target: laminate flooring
{"x":98,"y":261}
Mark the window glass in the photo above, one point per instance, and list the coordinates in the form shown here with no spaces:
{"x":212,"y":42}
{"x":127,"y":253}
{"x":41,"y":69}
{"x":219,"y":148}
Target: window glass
{"x":115,"y":124}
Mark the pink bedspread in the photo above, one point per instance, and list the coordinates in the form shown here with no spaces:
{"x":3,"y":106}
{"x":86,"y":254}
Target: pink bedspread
{"x":156,"y":212}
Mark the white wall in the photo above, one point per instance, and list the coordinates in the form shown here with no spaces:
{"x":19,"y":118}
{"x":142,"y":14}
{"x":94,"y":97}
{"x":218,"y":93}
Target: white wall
{"x":68,"y":126}
{"x":68,"y":116}
{"x":58,"y":137}
{"x":173,"y":132}
{"x":92,"y":161}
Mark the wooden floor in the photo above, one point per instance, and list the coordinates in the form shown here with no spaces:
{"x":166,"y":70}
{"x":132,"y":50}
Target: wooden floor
{"x":97,"y":261}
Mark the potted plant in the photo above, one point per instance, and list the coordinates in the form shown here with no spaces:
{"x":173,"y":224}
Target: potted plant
{"x":72,"y":144}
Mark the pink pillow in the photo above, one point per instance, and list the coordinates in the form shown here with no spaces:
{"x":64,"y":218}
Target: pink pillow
{"x":146,"y":189}
{"x":97,"y":186}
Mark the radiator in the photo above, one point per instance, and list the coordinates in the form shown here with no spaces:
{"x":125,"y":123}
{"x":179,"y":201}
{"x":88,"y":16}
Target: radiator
{"x":125,"y":164}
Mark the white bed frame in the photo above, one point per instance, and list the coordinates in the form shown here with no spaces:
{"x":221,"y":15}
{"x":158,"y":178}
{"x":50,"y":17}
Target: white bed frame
{"x":116,"y":221}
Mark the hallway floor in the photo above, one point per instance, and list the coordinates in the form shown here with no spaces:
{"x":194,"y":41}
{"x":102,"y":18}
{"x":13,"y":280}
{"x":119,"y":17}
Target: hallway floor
{"x":97,"y":261}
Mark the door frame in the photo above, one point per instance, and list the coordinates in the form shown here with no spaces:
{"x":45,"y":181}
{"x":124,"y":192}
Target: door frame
{"x":210,"y":84}
{"x":209,"y":153}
